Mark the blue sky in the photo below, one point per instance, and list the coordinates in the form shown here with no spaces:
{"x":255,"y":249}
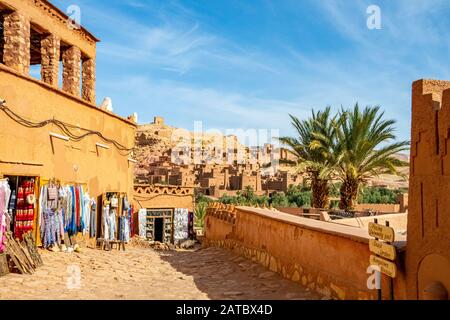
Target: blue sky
{"x":249,"y":63}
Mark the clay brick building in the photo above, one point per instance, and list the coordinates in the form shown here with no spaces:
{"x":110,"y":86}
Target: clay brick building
{"x":75,"y":142}
{"x":428,"y":254}
{"x":215,"y":165}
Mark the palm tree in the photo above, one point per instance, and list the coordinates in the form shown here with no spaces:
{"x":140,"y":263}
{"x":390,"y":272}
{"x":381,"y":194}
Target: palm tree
{"x":200,"y":213}
{"x":313,"y":150}
{"x":364,"y":149}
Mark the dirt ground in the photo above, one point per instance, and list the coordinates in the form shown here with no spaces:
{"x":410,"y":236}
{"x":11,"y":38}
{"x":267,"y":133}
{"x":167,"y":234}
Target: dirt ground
{"x":140,"y":273}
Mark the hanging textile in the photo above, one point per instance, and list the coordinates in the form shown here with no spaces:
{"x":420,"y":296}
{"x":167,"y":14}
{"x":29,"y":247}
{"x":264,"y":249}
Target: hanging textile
{"x":132,"y":228}
{"x":24,"y":220}
{"x":181,"y":224}
{"x":72,"y":227}
{"x":5,"y":194}
{"x":49,"y":236}
{"x":191,"y":225}
{"x":77,"y":209}
{"x":70,"y":213}
{"x":93,"y":219}
{"x":124,"y":229}
{"x":142,"y":222}
{"x":105,"y":222}
{"x":112,"y":224}
{"x":86,"y":213}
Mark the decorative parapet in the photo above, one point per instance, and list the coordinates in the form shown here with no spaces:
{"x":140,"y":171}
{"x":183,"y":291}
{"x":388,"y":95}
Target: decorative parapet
{"x":151,"y":190}
{"x":223,"y":212}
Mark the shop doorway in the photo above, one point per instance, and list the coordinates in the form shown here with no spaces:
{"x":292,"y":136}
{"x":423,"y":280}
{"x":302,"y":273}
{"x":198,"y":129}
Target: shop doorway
{"x":159,"y":229}
{"x":159,"y":225}
{"x":22,"y":203}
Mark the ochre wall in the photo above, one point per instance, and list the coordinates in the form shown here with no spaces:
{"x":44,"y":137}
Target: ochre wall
{"x":327,"y":258}
{"x":428,"y":254}
{"x":47,"y":17}
{"x":162,"y":197}
{"x":71,"y":161}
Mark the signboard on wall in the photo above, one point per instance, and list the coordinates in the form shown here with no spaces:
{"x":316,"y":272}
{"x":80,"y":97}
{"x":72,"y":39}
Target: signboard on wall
{"x":387,"y":267}
{"x":381,"y":232}
{"x":382,"y":249}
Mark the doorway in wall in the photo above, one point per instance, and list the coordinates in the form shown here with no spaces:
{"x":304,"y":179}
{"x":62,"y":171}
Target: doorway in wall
{"x":22,"y":203}
{"x":159,"y":225}
{"x":159,"y":229}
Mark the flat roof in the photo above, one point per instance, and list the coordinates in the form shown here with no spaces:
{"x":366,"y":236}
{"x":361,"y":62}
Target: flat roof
{"x":59,"y":11}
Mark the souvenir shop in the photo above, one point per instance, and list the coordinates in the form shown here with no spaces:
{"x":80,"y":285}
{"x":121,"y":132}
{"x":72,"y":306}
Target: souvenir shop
{"x":166,"y":225}
{"x":115,"y":221}
{"x":58,"y":212}
{"x":17,"y":206}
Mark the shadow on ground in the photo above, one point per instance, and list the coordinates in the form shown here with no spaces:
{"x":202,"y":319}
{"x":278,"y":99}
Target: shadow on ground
{"x":223,"y":275}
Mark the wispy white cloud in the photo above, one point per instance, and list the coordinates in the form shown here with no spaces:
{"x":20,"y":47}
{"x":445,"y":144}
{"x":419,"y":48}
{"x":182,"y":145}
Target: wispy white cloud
{"x":217,"y":109}
{"x":174,"y":63}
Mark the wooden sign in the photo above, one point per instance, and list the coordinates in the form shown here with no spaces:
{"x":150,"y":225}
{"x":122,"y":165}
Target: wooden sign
{"x":381,"y":232}
{"x":387,"y":267}
{"x":383,"y":249}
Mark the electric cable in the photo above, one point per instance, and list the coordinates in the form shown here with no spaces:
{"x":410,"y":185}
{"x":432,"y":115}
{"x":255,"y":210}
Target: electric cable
{"x":65,"y":128}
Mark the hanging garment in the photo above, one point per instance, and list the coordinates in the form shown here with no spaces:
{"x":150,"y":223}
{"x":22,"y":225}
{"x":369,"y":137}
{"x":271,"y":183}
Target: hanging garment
{"x":93,"y":219}
{"x":82,"y":210}
{"x":12,"y":200}
{"x":86,"y":213}
{"x":42,"y":205}
{"x":52,"y":197}
{"x":105,"y":223}
{"x":49,"y":236}
{"x":5,"y":193}
{"x":24,"y":220}
{"x":72,"y":227}
{"x":126,"y":229}
{"x":125,"y":204}
{"x":59,"y":218}
{"x":112,"y":224}
{"x":191,"y":225}
{"x":120,"y":229}
{"x":77,"y":209}
{"x":66,"y":204}
{"x":130,"y":218}
{"x":142,"y":216}
{"x":11,"y":208}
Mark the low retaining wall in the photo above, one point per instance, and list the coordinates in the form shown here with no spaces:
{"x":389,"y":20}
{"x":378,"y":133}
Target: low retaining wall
{"x":379,"y":207}
{"x":327,"y":258}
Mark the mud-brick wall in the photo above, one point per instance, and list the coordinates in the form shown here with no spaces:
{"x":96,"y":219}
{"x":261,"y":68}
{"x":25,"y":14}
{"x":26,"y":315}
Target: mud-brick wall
{"x":32,"y":151}
{"x":329,"y":259}
{"x":428,"y":254}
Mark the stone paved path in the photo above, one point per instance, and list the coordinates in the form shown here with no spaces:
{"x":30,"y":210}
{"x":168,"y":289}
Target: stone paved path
{"x":146,"y":274}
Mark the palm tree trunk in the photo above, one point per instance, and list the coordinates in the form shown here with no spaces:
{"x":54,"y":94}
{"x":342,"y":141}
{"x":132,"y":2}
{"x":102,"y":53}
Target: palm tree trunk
{"x":320,"y":192}
{"x":349,"y":194}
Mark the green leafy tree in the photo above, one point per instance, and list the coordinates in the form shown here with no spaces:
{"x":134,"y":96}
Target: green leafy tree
{"x":299,"y":196}
{"x":378,"y":195}
{"x":279,"y":199}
